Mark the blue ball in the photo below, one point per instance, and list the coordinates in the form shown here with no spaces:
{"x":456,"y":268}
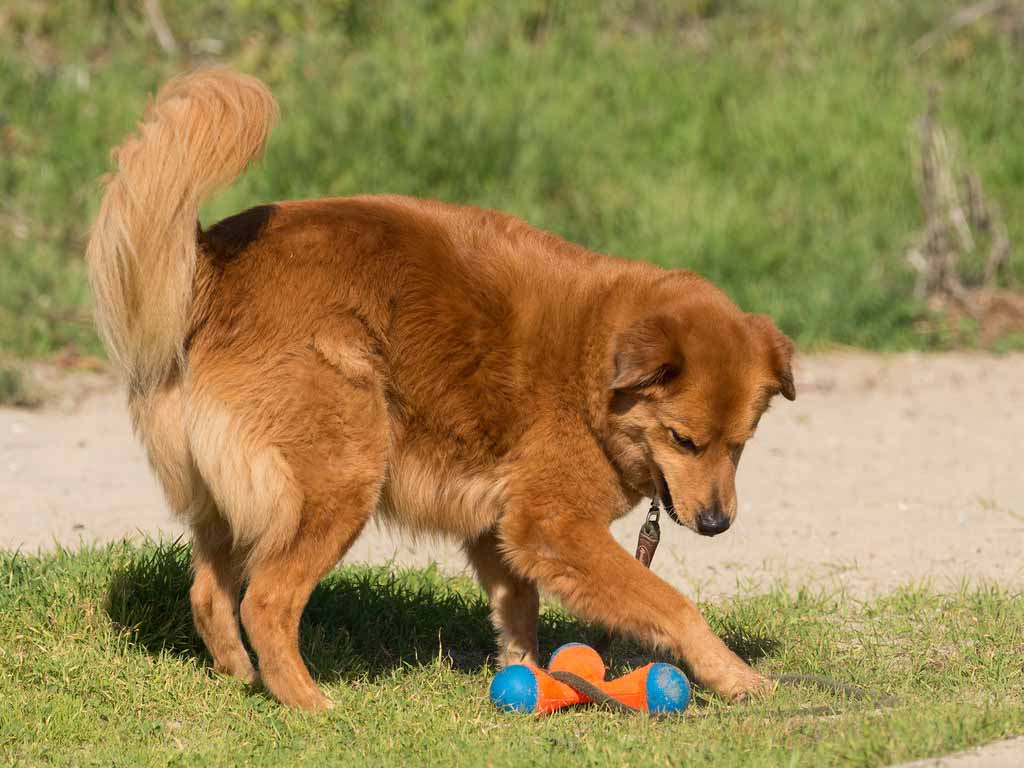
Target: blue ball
{"x":514,"y":689}
{"x":668,"y":690}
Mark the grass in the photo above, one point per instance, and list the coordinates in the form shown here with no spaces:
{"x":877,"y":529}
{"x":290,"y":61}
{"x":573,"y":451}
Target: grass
{"x":99,"y":664}
{"x":765,"y":144}
{"x":12,"y":386}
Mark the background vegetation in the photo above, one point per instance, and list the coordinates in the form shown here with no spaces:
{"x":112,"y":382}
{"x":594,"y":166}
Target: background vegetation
{"x":766,"y":143}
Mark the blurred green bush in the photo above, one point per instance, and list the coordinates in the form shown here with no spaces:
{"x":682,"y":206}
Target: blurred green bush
{"x":765,"y":143}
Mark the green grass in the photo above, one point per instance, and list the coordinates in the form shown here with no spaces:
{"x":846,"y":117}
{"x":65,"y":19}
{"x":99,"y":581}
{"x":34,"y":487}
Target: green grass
{"x":99,"y":665}
{"x":765,"y":144}
{"x":12,"y":386}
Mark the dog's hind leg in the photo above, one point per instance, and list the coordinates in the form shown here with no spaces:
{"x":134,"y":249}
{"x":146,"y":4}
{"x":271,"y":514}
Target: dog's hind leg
{"x":329,"y":421}
{"x":214,"y":595}
{"x":515,"y":603}
{"x":159,"y":419}
{"x":280,"y":587}
{"x":334,"y":513}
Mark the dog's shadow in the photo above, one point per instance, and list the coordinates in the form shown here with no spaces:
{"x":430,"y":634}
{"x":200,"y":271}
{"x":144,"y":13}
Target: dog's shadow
{"x":360,"y":621}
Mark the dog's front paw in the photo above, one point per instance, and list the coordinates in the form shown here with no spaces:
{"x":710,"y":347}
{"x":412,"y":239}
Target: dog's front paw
{"x":732,"y":679}
{"x":746,"y":684}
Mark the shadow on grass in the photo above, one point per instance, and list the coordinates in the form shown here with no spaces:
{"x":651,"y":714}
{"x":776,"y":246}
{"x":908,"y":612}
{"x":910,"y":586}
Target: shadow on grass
{"x":360,"y":620}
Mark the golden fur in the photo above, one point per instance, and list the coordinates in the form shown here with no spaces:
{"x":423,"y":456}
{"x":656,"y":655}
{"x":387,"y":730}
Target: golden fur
{"x":198,"y":135}
{"x":299,"y":367}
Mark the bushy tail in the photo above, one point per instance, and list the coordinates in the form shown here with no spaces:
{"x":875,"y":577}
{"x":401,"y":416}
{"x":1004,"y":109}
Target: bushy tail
{"x":198,"y":134}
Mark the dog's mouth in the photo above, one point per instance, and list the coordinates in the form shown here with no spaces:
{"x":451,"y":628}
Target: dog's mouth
{"x":661,"y":487}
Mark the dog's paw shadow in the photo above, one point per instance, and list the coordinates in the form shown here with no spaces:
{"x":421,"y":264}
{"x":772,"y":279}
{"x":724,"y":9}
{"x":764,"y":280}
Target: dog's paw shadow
{"x":745,"y":640}
{"x":750,"y":645}
{"x":742,"y":626}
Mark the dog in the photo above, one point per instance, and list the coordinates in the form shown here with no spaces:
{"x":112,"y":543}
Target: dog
{"x":303,"y":366}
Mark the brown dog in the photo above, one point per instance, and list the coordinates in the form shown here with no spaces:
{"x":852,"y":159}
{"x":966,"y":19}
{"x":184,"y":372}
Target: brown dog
{"x":301,"y":366}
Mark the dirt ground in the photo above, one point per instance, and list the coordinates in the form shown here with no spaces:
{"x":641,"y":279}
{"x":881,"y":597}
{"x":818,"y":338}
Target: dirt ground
{"x":1002,"y":754}
{"x":886,"y":470}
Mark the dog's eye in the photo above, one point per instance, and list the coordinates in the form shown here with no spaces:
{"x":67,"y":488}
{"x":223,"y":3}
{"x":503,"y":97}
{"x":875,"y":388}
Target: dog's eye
{"x":683,"y":442}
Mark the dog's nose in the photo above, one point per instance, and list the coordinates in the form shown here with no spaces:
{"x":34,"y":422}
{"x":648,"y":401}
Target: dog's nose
{"x":711,"y":522}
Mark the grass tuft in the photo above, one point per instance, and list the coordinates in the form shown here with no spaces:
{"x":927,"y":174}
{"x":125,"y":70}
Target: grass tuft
{"x":14,"y":390}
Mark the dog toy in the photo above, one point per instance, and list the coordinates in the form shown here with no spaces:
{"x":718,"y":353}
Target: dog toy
{"x":575,"y":675}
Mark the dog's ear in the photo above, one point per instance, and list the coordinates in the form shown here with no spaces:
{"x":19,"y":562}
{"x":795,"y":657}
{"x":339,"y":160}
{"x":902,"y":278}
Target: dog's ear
{"x":647,"y":353}
{"x":781,"y":349}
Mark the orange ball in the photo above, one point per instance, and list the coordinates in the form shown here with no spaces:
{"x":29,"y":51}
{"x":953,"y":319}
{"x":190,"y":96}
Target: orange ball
{"x":579,"y":659}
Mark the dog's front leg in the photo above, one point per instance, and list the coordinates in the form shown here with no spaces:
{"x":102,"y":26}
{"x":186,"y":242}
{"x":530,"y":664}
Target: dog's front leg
{"x":514,"y":601}
{"x":554,"y":534}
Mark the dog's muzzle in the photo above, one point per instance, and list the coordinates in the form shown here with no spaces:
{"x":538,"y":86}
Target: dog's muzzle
{"x":709,"y":521}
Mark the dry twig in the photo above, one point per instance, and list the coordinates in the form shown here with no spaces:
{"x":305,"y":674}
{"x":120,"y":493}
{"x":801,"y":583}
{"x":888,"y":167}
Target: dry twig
{"x":957,"y":218}
{"x":962,"y":18}
{"x":157,"y":21}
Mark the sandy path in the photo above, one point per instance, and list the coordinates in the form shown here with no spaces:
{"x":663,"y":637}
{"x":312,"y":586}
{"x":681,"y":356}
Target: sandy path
{"x":1002,"y":754}
{"x":885,"y":470}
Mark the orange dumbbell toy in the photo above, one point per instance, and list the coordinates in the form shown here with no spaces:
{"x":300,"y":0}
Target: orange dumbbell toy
{"x":575,"y":675}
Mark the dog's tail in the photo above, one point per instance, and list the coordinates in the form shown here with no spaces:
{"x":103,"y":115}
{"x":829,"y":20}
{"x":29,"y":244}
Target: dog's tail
{"x":198,"y":134}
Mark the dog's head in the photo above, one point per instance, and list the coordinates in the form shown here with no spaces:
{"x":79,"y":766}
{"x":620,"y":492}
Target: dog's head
{"x":690,"y":380}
